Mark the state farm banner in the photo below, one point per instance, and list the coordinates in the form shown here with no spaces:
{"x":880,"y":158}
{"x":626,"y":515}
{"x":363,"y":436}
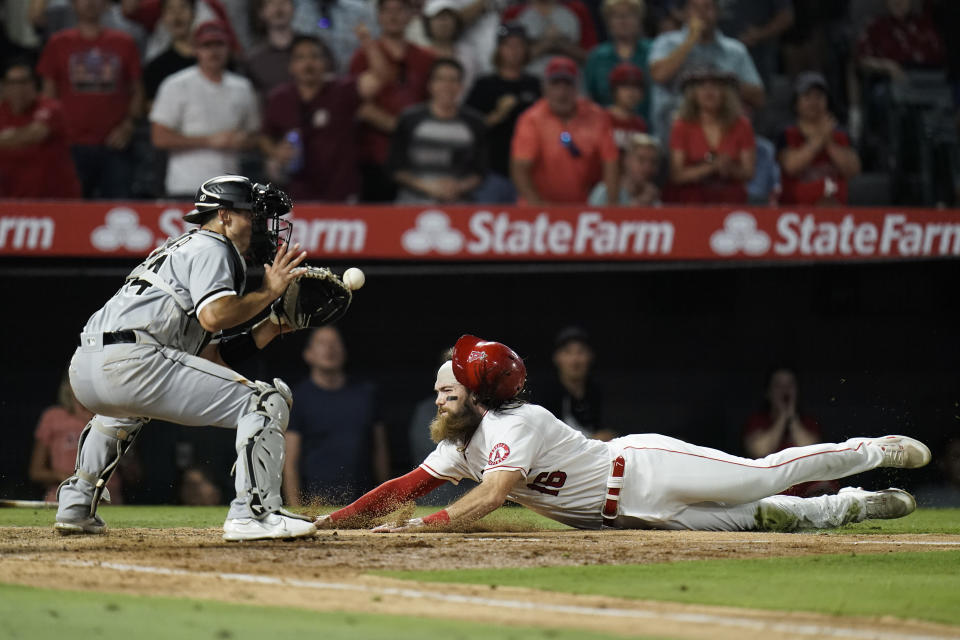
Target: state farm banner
{"x":485,"y":233}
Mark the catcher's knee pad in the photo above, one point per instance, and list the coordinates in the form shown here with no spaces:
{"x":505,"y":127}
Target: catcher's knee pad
{"x":261,"y":447}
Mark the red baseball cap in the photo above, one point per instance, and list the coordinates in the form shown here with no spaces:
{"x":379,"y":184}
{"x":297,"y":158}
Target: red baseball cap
{"x":561,"y":68}
{"x":626,"y":73}
{"x":210,"y":31}
{"x":492,"y":370}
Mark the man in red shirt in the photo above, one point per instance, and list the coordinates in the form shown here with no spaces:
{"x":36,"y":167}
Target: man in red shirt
{"x":95,"y":73}
{"x":407,"y":67}
{"x":563,"y":144}
{"x":34,"y":158}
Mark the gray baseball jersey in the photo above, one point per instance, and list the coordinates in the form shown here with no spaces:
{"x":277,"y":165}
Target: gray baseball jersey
{"x":166,"y":292}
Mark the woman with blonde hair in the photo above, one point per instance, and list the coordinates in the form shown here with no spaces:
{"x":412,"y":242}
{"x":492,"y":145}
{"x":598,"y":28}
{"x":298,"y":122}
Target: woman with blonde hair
{"x":712,"y":147}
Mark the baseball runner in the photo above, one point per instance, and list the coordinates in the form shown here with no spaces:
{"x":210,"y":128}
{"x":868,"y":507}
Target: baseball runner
{"x":147,"y":353}
{"x":521,"y":452}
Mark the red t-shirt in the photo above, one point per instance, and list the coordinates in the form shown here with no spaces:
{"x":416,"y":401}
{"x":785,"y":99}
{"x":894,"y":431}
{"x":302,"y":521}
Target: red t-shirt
{"x":624,"y":127}
{"x":408,"y":88}
{"x":689,"y":137}
{"x":328,"y":130}
{"x":94,"y":80}
{"x":820,"y":179}
{"x":42,"y":170}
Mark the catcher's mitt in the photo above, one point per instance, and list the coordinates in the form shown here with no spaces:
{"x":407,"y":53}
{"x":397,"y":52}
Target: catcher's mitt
{"x":317,"y":297}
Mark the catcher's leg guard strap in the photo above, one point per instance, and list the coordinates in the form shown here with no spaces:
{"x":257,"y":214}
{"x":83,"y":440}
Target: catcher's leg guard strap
{"x":260,"y":451}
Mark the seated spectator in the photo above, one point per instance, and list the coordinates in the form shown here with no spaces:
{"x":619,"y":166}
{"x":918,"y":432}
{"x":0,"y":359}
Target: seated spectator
{"x":639,"y":166}
{"x":780,"y":425}
{"x":56,"y":439}
{"x":438,"y":151}
{"x":268,"y":62}
{"x":503,"y":95}
{"x":698,"y":44}
{"x":336,"y":23}
{"x":405,"y":68}
{"x":204,"y":115}
{"x":624,"y":20}
{"x":95,"y":73}
{"x":310,"y":129}
{"x":814,"y":153}
{"x":34,"y":156}
{"x":443,"y":28}
{"x":573,"y":396}
{"x":554,"y":30}
{"x":900,"y":40}
{"x":563,"y":145}
{"x":336,"y":443}
{"x":758,"y":25}
{"x":196,"y":488}
{"x":177,"y":18}
{"x":626,"y":82}
{"x":712,"y":150}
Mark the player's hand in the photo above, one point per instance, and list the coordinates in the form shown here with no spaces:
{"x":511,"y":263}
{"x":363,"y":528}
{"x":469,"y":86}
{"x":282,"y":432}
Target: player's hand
{"x":410,"y":525}
{"x":284,"y":269}
{"x":324,"y":522}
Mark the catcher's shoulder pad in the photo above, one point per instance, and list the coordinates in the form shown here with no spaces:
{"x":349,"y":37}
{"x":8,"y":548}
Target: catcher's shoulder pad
{"x":316,"y":298}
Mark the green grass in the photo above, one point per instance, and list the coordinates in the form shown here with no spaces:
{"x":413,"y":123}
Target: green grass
{"x":41,"y":614}
{"x":923,"y":585}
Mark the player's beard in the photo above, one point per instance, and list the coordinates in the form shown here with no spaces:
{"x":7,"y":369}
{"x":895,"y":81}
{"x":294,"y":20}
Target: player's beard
{"x":456,"y":427}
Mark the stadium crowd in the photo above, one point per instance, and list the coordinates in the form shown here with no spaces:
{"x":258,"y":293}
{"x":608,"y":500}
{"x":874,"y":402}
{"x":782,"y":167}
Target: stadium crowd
{"x":533,"y":101}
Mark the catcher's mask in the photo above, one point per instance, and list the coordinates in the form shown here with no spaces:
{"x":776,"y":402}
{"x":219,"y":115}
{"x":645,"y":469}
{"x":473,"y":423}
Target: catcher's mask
{"x":491,"y":370}
{"x":265,"y":203}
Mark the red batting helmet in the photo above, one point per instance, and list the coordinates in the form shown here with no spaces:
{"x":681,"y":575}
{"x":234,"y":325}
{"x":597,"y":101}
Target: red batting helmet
{"x":492,"y":370}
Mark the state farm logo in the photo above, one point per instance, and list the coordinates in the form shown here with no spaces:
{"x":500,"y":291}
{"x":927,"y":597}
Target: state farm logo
{"x":499,"y":453}
{"x":739,"y":233}
{"x":121,"y":230}
{"x":432,"y":232}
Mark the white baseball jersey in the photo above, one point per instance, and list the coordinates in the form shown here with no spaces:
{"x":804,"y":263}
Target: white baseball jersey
{"x":565,"y":474}
{"x":164,"y":294}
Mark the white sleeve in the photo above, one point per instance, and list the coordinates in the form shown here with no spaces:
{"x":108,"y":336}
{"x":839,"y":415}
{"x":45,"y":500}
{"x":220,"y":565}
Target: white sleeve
{"x":514,"y":445}
{"x":446,"y":463}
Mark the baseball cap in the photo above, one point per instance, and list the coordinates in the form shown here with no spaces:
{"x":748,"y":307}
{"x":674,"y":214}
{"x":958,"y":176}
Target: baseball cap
{"x":561,"y":68}
{"x":626,"y":73}
{"x":433,"y":7}
{"x":511,"y":29}
{"x":809,"y":80}
{"x":210,"y":31}
{"x":571,"y":334}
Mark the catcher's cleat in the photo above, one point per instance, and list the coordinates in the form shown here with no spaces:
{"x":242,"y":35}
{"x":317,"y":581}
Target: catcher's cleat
{"x":92,"y":525}
{"x":882,"y":505}
{"x":902,"y":452}
{"x":272,"y":526}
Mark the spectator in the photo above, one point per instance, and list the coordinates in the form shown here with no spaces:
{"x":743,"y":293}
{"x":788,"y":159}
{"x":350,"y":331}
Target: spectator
{"x":406,"y":68}
{"x":438,"y":152}
{"x":758,"y":25}
{"x":479,"y":19}
{"x":563,"y":145}
{"x":55,"y":445}
{"x":780,"y":425}
{"x":177,"y":18}
{"x":50,"y":16}
{"x":95,"y":73}
{"x":554,"y":30}
{"x":639,"y":166}
{"x":336,"y":23}
{"x":626,"y":82}
{"x":443,"y":28}
{"x":503,"y":95}
{"x":573,"y":396}
{"x":310,"y":130}
{"x":900,"y":40}
{"x":699,"y":43}
{"x":712,"y":149}
{"x":624,"y":20}
{"x":34,"y":156}
{"x":204,"y":115}
{"x":196,"y":488}
{"x":149,"y":13}
{"x":336,"y":443}
{"x":814,"y":153}
{"x":268,"y":62}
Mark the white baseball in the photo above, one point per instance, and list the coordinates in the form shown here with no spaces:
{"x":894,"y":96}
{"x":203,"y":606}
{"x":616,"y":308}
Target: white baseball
{"x":354,"y":278}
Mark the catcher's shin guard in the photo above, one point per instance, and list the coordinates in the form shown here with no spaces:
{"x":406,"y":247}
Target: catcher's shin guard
{"x":98,"y":453}
{"x":260,"y":451}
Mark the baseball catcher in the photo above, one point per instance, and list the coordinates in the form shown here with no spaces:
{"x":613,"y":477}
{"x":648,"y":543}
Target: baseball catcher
{"x":486,"y":432}
{"x":155,"y":350}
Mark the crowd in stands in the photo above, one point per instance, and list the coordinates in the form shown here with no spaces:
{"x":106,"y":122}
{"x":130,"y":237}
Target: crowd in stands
{"x":532,"y":101}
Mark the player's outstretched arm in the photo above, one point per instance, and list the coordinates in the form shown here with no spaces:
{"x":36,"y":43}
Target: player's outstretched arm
{"x":388,"y":497}
{"x":487,"y":497}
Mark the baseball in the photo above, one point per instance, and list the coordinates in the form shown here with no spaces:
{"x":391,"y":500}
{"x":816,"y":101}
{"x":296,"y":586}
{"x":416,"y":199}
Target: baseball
{"x":354,"y":278}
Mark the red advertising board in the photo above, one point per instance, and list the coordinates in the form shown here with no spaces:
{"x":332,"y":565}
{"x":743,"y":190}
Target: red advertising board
{"x":491,"y":233}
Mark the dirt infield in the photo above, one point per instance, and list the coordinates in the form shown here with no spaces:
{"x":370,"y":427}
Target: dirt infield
{"x":328,"y":573}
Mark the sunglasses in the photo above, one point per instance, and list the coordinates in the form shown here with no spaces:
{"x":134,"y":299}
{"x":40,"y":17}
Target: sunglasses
{"x":567,"y":141}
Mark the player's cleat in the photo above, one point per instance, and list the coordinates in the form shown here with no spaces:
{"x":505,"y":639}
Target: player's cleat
{"x":272,"y":526}
{"x":882,"y":505}
{"x":93,"y":525}
{"x":902,"y":452}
